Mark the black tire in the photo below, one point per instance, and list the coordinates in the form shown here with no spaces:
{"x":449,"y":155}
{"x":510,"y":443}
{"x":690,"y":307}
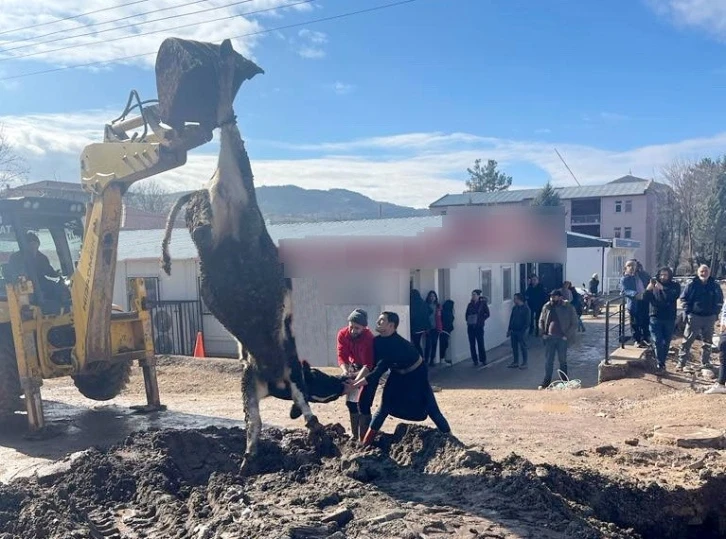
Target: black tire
{"x":104,"y":381}
{"x":10,"y":390}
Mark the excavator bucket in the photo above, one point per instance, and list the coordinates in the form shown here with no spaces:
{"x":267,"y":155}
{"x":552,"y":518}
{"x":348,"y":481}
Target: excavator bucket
{"x":187,"y":81}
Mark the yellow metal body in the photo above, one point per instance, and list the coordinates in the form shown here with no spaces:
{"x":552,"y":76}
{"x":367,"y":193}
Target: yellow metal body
{"x":108,"y":170}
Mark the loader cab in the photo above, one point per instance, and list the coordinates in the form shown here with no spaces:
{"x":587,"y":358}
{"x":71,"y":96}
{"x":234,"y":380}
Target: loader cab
{"x":58,"y":226}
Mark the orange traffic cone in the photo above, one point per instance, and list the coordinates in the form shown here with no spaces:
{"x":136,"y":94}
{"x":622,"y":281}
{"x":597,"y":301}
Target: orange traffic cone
{"x":199,"y":346}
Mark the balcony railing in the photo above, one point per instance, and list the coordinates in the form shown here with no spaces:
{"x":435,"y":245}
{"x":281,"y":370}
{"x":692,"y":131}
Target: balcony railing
{"x":590,"y":219}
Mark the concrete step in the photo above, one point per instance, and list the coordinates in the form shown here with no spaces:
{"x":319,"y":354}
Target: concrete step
{"x":623,"y":362}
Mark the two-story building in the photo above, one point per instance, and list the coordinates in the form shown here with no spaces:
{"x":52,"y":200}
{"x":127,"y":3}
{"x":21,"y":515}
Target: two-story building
{"x":626,"y":208}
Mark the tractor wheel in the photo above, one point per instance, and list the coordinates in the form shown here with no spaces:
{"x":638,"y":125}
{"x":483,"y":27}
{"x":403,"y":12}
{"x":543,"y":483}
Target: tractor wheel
{"x":10,"y":389}
{"x":104,"y":381}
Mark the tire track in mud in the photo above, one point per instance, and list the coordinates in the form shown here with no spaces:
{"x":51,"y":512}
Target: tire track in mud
{"x":416,"y":483}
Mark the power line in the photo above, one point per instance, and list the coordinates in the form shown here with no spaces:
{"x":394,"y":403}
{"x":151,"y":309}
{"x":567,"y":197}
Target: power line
{"x":71,"y":17}
{"x":133,"y":25}
{"x":132,"y":36}
{"x":285,"y":27}
{"x":94,"y":24}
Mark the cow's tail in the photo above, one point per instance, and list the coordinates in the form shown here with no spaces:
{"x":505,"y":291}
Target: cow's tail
{"x":166,"y":259}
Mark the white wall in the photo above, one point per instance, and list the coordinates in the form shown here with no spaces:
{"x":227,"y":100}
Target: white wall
{"x":582,"y":262}
{"x":464,"y":279}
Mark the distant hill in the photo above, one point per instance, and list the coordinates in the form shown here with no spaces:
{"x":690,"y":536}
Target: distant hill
{"x":289,"y":203}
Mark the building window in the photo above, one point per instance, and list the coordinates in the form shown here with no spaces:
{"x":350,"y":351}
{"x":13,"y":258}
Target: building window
{"x":628,"y":232}
{"x":628,"y":206}
{"x":486,"y":283}
{"x":152,"y":290}
{"x":507,"y":284}
{"x":618,"y":206}
{"x":617,"y":231}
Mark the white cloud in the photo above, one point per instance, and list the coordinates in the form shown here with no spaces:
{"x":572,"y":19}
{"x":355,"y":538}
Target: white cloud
{"x":707,"y":15}
{"x":312,"y":42}
{"x":105,"y":45}
{"x":342,"y":88}
{"x":412,"y":169}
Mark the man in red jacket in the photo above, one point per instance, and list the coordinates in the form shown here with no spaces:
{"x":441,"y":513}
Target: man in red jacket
{"x":355,"y":355}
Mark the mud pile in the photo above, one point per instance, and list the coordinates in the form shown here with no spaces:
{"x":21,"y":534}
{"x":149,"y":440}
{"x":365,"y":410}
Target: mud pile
{"x":416,"y":483}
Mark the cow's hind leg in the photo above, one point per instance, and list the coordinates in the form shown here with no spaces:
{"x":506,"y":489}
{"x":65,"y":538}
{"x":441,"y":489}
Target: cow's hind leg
{"x":253,"y":420}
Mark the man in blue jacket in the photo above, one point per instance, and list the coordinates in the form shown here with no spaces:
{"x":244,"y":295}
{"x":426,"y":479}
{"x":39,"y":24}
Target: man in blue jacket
{"x":662,"y":295}
{"x":702,"y":300}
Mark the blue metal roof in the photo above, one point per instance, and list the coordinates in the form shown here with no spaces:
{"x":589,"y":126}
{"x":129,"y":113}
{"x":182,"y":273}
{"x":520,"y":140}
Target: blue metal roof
{"x":143,"y":244}
{"x":628,"y":188}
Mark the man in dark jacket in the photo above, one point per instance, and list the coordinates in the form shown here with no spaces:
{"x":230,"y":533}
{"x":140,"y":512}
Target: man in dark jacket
{"x":476,"y":314}
{"x":536,"y":297}
{"x":702,"y":300}
{"x":662,"y":296}
{"x":518,"y":325}
{"x":558,"y":327}
{"x":407,"y":394}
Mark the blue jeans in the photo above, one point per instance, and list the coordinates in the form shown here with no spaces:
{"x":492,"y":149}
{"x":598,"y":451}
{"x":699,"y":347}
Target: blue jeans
{"x":662,"y":331}
{"x":432,"y":409}
{"x":554,"y":345}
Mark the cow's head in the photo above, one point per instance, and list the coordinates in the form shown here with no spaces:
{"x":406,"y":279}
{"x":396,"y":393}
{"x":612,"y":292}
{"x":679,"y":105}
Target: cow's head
{"x":322,"y":387}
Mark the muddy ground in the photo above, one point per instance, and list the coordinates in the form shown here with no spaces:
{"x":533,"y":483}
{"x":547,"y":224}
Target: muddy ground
{"x":522,"y":463}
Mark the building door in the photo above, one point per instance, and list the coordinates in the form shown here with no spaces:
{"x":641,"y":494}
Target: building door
{"x":551,"y":276}
{"x":444,"y":284}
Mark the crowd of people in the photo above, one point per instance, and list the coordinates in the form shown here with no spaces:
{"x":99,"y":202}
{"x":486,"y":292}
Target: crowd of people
{"x":652,"y":305}
{"x":555,"y":317}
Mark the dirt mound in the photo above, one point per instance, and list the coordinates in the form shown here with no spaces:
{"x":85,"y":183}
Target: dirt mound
{"x":416,"y":483}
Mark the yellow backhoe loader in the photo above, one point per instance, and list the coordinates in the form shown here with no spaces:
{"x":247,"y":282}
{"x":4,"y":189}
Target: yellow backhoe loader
{"x":58,"y":257}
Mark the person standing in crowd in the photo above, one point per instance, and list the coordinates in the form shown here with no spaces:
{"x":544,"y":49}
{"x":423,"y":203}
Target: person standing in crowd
{"x":517,"y":331}
{"x":355,"y":356}
{"x":702,"y":301}
{"x":432,"y":337}
{"x":558,"y":327}
{"x":536,"y":297}
{"x":642,"y":310}
{"x":408,"y":394}
{"x":719,"y":388}
{"x":594,"y":285}
{"x":420,"y":324}
{"x":578,"y":303}
{"x":662,"y":295}
{"x":632,"y":288}
{"x":447,"y":326}
{"x":477,"y":313}
{"x":567,"y":291}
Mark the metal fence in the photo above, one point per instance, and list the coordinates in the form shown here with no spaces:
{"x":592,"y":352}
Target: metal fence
{"x":615,"y":317}
{"x":175,"y":325}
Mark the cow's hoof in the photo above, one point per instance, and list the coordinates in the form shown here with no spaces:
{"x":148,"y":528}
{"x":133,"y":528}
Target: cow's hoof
{"x":248,"y":466}
{"x":313,"y":424}
{"x":295,"y":411}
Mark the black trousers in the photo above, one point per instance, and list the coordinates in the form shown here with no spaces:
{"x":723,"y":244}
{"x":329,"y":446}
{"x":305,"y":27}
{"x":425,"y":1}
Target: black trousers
{"x":534,"y":321}
{"x":365,"y":400}
{"x":443,"y":345}
{"x":476,"y":340}
{"x":432,"y":338}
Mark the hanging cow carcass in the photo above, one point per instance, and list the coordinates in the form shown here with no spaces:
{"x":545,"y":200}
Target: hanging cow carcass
{"x":242,"y":279}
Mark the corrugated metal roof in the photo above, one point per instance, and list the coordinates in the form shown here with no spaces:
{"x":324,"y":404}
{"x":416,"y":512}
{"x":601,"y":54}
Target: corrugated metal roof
{"x":520,"y":195}
{"x":141,"y":244}
{"x":146,"y":244}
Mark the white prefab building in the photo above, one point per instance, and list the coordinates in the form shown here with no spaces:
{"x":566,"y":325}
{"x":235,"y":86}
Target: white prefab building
{"x":338,"y":266}
{"x":587,"y":255}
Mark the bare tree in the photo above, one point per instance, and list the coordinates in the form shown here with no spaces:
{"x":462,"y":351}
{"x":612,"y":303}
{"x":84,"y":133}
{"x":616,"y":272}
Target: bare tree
{"x":148,"y":196}
{"x":683,"y":179}
{"x":13,"y":168}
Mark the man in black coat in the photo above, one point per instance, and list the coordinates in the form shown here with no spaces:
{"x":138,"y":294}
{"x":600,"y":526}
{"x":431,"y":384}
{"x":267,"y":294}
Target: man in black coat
{"x":407,"y":394}
{"x":662,"y":296}
{"x":536,"y":297}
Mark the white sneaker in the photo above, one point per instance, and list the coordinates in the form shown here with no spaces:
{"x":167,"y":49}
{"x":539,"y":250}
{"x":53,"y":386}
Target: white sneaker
{"x":717,"y":389}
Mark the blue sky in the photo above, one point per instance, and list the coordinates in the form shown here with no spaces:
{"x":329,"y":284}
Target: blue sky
{"x":396,"y":103}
